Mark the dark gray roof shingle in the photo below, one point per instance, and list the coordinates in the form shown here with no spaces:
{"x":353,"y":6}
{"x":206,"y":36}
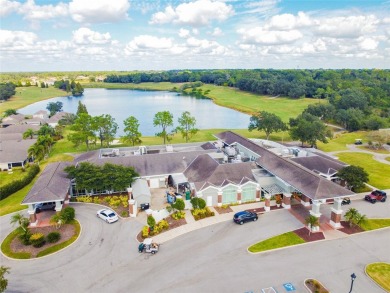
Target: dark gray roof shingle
{"x":51,"y":185}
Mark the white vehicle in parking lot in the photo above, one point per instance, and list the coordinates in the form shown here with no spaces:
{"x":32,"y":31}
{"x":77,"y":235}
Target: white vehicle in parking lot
{"x":107,"y":215}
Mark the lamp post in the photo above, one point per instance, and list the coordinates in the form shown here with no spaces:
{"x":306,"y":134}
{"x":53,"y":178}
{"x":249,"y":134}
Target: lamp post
{"x":353,"y":277}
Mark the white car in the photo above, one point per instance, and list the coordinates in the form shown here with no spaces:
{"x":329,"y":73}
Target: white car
{"x":107,"y":215}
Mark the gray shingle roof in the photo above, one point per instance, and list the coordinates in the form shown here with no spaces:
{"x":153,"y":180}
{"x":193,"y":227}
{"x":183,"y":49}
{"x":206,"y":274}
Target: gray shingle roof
{"x":319,"y":163}
{"x":18,"y":128}
{"x":153,"y":164}
{"x":301,"y":178}
{"x":13,"y":151}
{"x":52,"y":185}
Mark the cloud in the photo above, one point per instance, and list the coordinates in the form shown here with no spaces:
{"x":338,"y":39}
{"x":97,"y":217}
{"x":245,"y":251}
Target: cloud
{"x":98,"y":11}
{"x":146,"y":42}
{"x":259,"y":35}
{"x":33,"y":12}
{"x":264,"y":8}
{"x":184,"y":33}
{"x":346,"y":27}
{"x":86,"y":36}
{"x":289,"y":21}
{"x":217,"y":32}
{"x":7,"y":7}
{"x":198,"y":13}
{"x":16,"y":39}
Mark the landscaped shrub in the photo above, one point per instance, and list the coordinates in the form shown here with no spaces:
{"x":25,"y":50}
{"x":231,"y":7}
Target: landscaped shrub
{"x":124,"y":200}
{"x":16,"y":185}
{"x":68,"y":214}
{"x":37,"y":240}
{"x":179,"y":205}
{"x":25,"y":237}
{"x":96,"y":200}
{"x":195,"y":202}
{"x":201,"y":203}
{"x":114,"y":201}
{"x":179,"y":215}
{"x":145,"y":231}
{"x":202,"y":213}
{"x":53,"y":237}
{"x":84,"y":198}
{"x":163,"y":224}
{"x":151,"y":222}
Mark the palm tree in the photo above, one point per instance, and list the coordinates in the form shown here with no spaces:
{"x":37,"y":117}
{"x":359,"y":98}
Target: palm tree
{"x":46,"y":141}
{"x":21,"y":220}
{"x":352,"y":215}
{"x":312,"y":221}
{"x":28,"y":133}
{"x":36,"y":152}
{"x":361,"y":219}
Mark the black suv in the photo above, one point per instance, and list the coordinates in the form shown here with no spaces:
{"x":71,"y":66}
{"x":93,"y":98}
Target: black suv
{"x":244,"y":216}
{"x":44,"y":206}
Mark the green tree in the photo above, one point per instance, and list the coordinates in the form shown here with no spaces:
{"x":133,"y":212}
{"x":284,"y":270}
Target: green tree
{"x":87,"y":176}
{"x":36,"y":151}
{"x":117,"y":177}
{"x":151,"y":222}
{"x":81,"y":108}
{"x":7,"y":90}
{"x":46,"y":130}
{"x":46,"y":141}
{"x":179,"y":205}
{"x":10,"y":112}
{"x":29,"y":133}
{"x":308,"y":128}
{"x":187,"y":125}
{"x":21,"y":220}
{"x":267,"y":122}
{"x":312,"y":221}
{"x":3,"y":281}
{"x":54,"y":107}
{"x":43,"y":85}
{"x":106,"y":128}
{"x":163,"y":119}
{"x":355,"y":176}
{"x":352,"y":216}
{"x":83,"y":128}
{"x":131,"y":130}
{"x":67,"y":119}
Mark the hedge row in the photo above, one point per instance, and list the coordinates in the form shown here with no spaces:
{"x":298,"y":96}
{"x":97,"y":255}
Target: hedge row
{"x":16,"y":185}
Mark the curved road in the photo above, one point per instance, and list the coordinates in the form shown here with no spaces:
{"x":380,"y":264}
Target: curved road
{"x":355,"y":149}
{"x":213,"y":259}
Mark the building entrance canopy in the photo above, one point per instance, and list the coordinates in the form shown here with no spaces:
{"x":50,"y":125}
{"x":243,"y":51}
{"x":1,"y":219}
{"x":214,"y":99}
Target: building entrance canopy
{"x":273,"y":189}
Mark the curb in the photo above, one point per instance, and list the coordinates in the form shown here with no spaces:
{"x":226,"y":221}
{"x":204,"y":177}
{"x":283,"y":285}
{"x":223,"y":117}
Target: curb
{"x":371,"y":279}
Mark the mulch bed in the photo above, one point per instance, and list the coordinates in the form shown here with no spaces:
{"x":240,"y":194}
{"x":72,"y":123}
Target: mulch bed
{"x":172,"y":225}
{"x":221,"y":210}
{"x":311,"y":284}
{"x":350,"y":230}
{"x":304,"y":234}
{"x":67,"y":231}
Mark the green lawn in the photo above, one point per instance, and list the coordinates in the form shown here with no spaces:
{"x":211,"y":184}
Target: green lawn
{"x":250,"y":103}
{"x":380,"y":273}
{"x":28,"y":95}
{"x":387,"y":159}
{"x":283,"y":240}
{"x":6,"y":178}
{"x":339,"y":142}
{"x":378,"y":172}
{"x":372,"y":224}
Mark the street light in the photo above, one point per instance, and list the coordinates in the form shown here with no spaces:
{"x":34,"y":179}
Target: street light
{"x":353,"y":277}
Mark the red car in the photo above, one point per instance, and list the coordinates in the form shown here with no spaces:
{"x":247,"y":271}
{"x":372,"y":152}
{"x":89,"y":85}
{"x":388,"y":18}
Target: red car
{"x":377,"y":195}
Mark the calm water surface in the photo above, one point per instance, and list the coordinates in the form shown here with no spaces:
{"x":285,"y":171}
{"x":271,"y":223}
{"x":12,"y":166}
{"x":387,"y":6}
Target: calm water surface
{"x":143,"y":105}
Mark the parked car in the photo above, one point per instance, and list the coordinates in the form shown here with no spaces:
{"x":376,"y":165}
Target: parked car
{"x":244,"y":216}
{"x":107,"y":215}
{"x":44,"y":206}
{"x":376,"y":195}
{"x":346,"y":200}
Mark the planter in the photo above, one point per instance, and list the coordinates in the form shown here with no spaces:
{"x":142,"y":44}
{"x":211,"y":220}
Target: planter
{"x":314,"y":286}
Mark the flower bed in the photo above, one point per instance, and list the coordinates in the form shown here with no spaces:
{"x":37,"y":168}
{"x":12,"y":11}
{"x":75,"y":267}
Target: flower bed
{"x":119,"y":203}
{"x":202,"y":213}
{"x":172,"y":225}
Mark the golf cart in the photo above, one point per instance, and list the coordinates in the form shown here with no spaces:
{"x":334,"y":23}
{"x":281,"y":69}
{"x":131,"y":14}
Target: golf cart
{"x":148,"y":246}
{"x":358,"y":141}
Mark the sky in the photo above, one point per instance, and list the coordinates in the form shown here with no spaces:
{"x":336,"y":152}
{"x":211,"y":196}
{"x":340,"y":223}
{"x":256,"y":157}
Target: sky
{"x":91,"y":35}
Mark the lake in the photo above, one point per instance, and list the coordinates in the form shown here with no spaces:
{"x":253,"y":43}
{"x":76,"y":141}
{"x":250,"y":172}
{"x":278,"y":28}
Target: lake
{"x":143,"y":105}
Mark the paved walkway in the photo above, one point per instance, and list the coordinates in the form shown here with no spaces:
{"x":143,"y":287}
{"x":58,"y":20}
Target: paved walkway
{"x":354,"y":148}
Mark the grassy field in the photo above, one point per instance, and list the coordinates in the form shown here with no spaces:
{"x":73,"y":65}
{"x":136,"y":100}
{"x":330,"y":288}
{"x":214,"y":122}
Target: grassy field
{"x":380,"y":273}
{"x":283,"y":240}
{"x":29,"y":95}
{"x":6,"y":178}
{"x":372,"y":224}
{"x":378,"y":172}
{"x":339,"y":142}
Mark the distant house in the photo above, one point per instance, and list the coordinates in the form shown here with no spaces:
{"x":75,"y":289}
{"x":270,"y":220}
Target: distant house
{"x":13,"y":119}
{"x":13,"y":148}
{"x":42,"y":114}
{"x":53,"y":120}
